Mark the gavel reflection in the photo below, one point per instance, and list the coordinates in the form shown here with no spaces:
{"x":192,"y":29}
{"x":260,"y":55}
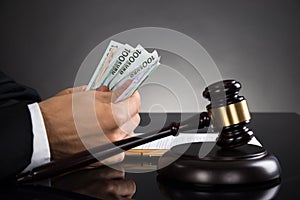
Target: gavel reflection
{"x":227,"y":110}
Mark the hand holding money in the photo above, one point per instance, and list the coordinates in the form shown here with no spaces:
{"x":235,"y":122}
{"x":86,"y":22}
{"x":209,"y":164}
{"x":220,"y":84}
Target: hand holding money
{"x":110,"y":95}
{"x":117,"y":122}
{"x":122,"y":65}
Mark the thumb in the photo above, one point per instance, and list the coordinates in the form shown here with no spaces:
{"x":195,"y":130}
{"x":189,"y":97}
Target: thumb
{"x":102,"y":89}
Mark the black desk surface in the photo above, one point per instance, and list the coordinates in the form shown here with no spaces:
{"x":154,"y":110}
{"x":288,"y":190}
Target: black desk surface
{"x":278,"y":132}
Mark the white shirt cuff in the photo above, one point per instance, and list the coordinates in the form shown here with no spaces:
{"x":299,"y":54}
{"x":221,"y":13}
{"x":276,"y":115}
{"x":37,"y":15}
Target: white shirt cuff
{"x":41,"y":149}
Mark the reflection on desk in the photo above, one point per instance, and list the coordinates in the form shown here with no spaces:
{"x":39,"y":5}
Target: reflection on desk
{"x":102,"y":183}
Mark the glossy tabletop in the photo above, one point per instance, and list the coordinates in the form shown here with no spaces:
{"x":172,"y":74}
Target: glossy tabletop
{"x":278,"y":132}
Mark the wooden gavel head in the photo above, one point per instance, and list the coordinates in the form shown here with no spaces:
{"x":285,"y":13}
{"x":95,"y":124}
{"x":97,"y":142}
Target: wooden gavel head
{"x":229,"y":112}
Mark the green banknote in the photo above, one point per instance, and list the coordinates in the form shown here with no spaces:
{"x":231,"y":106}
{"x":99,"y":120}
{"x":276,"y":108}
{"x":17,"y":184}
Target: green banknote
{"x":104,"y":62}
{"x":122,"y":64}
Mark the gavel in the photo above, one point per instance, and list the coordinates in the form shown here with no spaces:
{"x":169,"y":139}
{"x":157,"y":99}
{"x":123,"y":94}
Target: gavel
{"x":228,"y":114}
{"x":232,"y":161}
{"x":231,"y":115}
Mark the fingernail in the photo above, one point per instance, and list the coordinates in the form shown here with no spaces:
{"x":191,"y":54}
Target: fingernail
{"x":102,"y":89}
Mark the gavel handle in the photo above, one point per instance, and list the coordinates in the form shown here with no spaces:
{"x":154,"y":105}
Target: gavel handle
{"x":102,"y":152}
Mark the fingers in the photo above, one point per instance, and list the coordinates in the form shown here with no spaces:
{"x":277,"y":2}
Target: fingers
{"x":136,"y":99}
{"x":126,"y":130}
{"x":130,"y":126}
{"x":114,"y":159}
{"x":111,"y":96}
{"x":125,"y":110}
{"x":117,"y":120}
{"x":116,"y":114}
{"x":120,"y":90}
{"x":102,"y":95}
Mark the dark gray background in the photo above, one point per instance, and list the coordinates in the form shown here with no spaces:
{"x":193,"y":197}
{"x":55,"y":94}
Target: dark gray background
{"x":43,"y":43}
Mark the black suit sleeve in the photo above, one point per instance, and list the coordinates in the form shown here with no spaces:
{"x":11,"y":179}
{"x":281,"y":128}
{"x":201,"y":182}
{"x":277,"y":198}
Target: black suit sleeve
{"x":16,"y":143}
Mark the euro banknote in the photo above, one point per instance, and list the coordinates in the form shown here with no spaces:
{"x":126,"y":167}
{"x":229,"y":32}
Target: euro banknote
{"x":123,"y":65}
{"x":103,"y":64}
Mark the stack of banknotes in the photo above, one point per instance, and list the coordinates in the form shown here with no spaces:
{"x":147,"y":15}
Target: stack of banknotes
{"x":123,"y":68}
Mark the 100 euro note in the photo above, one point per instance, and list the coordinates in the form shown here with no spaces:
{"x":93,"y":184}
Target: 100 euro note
{"x":116,"y":63}
{"x":122,"y":62}
{"x":135,"y":84}
{"x":136,"y":78}
{"x":103,"y":64}
{"x":131,"y":62}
